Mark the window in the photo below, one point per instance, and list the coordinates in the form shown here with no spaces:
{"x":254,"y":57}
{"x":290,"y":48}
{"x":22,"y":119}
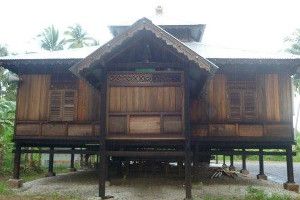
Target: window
{"x":62,"y":104}
{"x":242,"y":97}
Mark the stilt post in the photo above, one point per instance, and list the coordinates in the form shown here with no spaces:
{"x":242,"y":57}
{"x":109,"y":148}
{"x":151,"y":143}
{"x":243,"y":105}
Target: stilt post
{"x":102,"y":136}
{"x":16,"y":182}
{"x":289,"y":164}
{"x":187,"y":128}
{"x":261,"y":174}
{"x":244,"y":167}
{"x":290,"y":184}
{"x":17,"y":162}
{"x":224,"y":162}
{"x":72,"y":168}
{"x":50,"y":164}
{"x":231,"y":167}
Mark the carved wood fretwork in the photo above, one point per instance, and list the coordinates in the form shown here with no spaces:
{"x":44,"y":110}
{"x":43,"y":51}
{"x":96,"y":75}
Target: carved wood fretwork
{"x":133,"y":78}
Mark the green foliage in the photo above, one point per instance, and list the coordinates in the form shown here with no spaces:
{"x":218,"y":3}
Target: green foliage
{"x":3,"y":51}
{"x":78,"y":37}
{"x":259,"y":194}
{"x":294,"y":41}
{"x":8,"y":89}
{"x":4,"y":189}
{"x":49,"y":39}
{"x":7,"y":115}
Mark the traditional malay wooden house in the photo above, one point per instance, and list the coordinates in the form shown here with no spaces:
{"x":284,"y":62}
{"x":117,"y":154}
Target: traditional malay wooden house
{"x":154,"y":91}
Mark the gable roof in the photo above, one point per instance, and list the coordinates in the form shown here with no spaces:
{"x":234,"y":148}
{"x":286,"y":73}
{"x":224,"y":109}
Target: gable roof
{"x":144,"y":24}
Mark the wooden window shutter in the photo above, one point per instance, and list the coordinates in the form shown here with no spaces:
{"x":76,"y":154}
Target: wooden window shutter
{"x":249,"y":104}
{"x":69,"y":105}
{"x":62,"y":105}
{"x":55,"y":111}
{"x":235,"y":101}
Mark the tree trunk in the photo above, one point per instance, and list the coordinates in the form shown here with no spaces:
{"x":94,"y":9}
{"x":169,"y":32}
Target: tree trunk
{"x":297,"y":119}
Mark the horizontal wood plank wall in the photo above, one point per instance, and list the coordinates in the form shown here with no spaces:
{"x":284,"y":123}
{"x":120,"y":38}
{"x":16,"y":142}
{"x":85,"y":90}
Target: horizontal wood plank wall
{"x":33,"y":97}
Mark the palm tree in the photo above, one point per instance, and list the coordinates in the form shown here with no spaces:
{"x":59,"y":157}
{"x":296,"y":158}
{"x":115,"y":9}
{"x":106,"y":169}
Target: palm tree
{"x":3,"y":50}
{"x":49,"y":39}
{"x":78,"y":38}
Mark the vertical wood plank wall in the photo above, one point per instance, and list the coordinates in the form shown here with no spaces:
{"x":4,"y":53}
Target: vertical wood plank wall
{"x":210,"y":112}
{"x":33,"y":108}
{"x":88,"y":108}
{"x":33,"y":97}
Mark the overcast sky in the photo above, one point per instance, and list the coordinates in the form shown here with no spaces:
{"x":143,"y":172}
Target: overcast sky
{"x":245,"y":24}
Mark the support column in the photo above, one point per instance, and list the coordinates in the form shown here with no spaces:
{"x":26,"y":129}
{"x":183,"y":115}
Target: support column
{"x":231,"y":167}
{"x":72,"y":168}
{"x":244,"y":167}
{"x":102,"y":168}
{"x":261,"y":174}
{"x":50,"y":166}
{"x":187,"y":128}
{"x":196,"y":163}
{"x":224,"y":162}
{"x":102,"y":138}
{"x":188,"y":175}
{"x":290,"y":184}
{"x":16,"y":182}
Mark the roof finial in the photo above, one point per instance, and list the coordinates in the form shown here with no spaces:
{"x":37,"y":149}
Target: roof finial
{"x":159,"y":10}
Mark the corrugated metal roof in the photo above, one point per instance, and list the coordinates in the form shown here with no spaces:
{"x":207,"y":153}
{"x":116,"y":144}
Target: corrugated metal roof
{"x":206,"y":51}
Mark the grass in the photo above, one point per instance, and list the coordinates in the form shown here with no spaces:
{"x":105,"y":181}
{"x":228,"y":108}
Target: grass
{"x":4,"y":189}
{"x":259,"y":194}
{"x":28,"y":175}
{"x":254,"y":194}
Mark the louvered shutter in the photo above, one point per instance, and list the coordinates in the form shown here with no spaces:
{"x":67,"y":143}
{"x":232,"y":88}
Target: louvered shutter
{"x":249,"y":105}
{"x":56,"y":102}
{"x":235,"y":104}
{"x":62,"y":105}
{"x":69,"y":105}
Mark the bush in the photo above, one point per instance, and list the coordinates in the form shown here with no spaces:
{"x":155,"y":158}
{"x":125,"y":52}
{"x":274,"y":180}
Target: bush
{"x":7,"y":116}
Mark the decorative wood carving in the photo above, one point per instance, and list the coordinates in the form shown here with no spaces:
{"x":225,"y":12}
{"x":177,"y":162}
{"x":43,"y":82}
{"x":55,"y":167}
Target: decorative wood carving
{"x":141,"y":78}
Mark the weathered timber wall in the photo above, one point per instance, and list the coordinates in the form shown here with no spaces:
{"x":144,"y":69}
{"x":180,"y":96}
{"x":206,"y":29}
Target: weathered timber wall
{"x":33,"y":109}
{"x":210,"y":113}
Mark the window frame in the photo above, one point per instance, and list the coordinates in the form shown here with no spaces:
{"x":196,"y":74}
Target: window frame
{"x":243,"y":87}
{"x":63,"y":87}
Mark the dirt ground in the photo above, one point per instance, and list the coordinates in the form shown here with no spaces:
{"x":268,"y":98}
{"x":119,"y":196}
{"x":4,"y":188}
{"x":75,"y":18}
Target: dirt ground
{"x":84,"y":185}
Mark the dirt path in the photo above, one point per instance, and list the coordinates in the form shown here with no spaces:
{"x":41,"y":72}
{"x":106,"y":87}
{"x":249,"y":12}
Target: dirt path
{"x":84,"y":185}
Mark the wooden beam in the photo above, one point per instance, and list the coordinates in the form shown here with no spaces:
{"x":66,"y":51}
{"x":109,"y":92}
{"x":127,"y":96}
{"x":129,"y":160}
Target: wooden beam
{"x":130,"y":153}
{"x":146,"y":65}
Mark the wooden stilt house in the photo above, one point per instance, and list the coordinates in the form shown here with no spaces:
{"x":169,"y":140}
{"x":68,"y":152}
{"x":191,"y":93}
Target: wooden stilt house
{"x":153,"y":92}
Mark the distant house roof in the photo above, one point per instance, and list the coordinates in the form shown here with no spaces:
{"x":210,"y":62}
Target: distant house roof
{"x":185,"y":33}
